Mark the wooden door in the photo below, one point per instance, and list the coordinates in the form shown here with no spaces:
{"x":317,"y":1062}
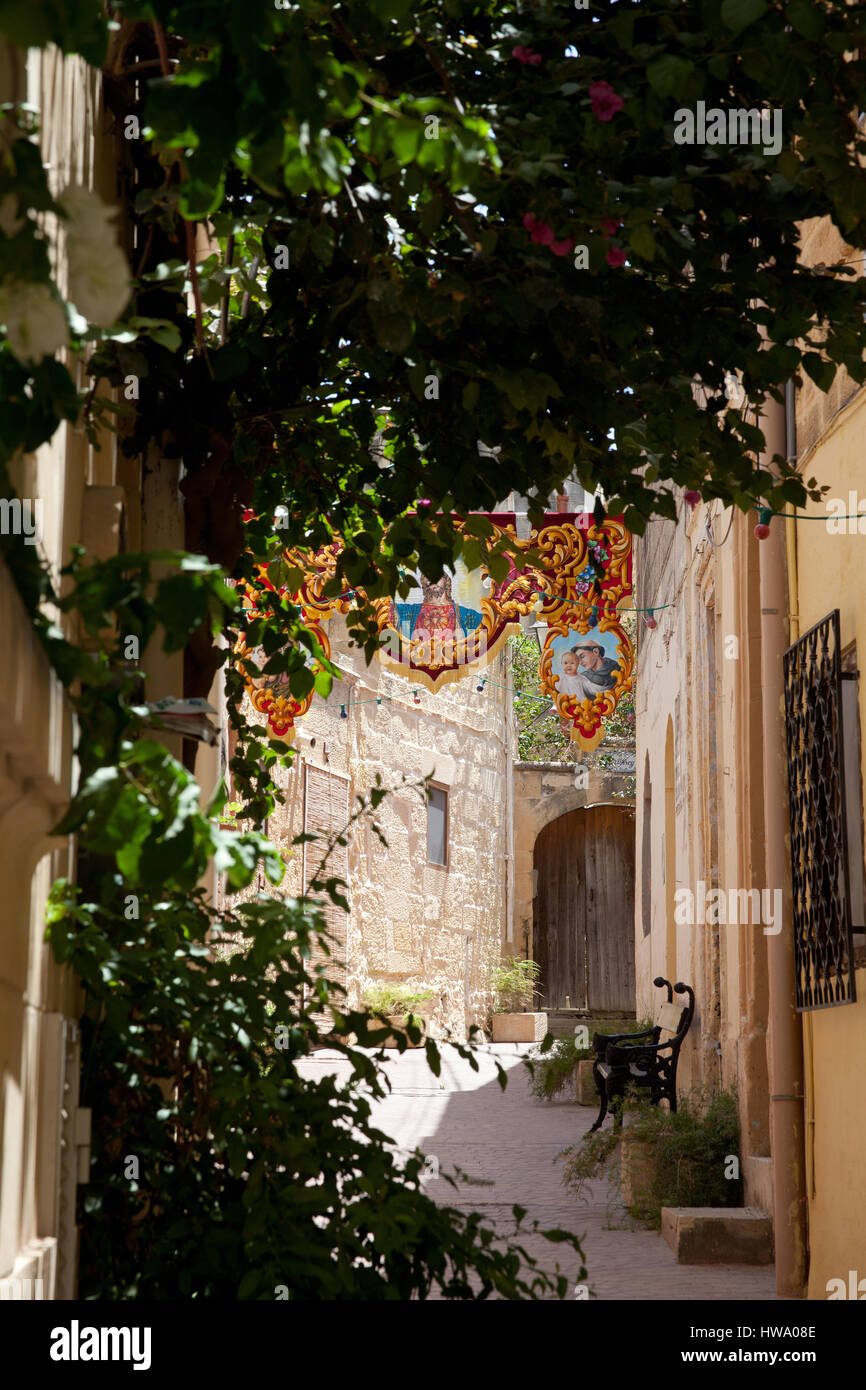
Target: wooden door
{"x":583,"y":929}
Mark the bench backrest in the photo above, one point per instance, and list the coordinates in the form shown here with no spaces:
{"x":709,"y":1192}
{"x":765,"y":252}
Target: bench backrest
{"x":669,"y":1017}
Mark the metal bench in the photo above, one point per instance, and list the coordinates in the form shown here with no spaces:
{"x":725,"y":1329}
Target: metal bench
{"x":625,"y":1059}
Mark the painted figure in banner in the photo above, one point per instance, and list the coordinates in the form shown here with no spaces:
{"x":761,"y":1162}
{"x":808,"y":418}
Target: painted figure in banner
{"x":586,"y":671}
{"x":437,"y":612}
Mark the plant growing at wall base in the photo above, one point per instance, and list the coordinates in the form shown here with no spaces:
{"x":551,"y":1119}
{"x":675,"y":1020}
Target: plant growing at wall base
{"x":513,"y":982}
{"x":690,"y":1150}
{"x":393,"y":1000}
{"x":553,"y":1070}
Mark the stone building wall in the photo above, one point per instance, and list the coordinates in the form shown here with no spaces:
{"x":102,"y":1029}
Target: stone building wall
{"x":43,"y":1149}
{"x":411,"y":921}
{"x":699,"y":805}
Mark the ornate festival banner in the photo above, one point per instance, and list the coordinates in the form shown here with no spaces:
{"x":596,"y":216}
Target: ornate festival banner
{"x":587,"y":661}
{"x":271,"y":695}
{"x":586,"y":672}
{"x":453,"y":624}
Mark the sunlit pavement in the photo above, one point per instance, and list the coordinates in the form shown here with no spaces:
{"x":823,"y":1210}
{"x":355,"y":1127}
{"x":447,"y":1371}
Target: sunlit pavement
{"x":511,"y":1141}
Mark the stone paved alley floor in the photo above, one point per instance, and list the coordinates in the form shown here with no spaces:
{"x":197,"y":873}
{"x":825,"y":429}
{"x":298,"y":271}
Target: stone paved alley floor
{"x":512,"y":1140}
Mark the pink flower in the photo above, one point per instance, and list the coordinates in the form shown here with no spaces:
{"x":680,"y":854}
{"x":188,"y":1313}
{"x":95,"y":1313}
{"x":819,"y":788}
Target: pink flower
{"x":610,"y":226}
{"x":605,"y":101}
{"x":540,"y":231}
{"x":526,"y":55}
{"x":615,"y":256}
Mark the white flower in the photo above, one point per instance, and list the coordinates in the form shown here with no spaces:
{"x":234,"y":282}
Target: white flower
{"x":34,"y":321}
{"x":99,"y":283}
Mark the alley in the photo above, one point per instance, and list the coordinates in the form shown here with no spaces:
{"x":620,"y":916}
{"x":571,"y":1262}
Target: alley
{"x":510,"y":1140}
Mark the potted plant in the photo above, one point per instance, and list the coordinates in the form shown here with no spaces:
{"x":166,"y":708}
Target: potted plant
{"x":229,"y":815}
{"x":513,"y":983}
{"x":400,"y":1004}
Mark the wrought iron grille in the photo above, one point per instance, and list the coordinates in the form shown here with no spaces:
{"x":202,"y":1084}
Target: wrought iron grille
{"x":823,"y":947}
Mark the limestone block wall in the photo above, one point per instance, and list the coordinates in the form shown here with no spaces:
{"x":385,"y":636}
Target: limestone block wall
{"x":414,"y":922}
{"x":542,"y":793}
{"x":699,"y":804}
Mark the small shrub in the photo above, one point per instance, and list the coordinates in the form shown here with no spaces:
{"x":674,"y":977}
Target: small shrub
{"x":393,"y":1000}
{"x":689,"y":1151}
{"x":553,"y":1071}
{"x":513,"y":983}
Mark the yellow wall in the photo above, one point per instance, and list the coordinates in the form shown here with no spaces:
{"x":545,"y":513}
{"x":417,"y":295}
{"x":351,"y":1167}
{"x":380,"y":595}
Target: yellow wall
{"x":836,"y":1170}
{"x":831,"y":572}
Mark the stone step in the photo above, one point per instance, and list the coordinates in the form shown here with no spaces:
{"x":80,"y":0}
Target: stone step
{"x":718,"y":1235}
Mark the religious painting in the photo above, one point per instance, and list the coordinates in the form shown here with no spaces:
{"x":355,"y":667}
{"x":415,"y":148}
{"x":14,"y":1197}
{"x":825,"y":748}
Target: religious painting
{"x":586,"y":672}
{"x":454,"y":623}
{"x":438,"y":629}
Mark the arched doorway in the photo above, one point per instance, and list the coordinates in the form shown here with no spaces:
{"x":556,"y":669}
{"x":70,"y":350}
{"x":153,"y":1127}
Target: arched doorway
{"x":583,"y":920}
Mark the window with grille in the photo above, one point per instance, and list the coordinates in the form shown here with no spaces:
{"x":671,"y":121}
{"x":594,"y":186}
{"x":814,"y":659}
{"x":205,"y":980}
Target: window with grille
{"x":821,"y":816}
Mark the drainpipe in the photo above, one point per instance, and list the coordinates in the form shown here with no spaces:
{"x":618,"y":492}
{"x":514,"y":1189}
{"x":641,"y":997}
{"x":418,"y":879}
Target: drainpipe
{"x":784,"y":1027}
{"x":509,"y":804}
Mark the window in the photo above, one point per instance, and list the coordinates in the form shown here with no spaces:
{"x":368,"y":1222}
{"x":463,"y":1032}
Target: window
{"x":646,"y":852}
{"x":853,"y":790}
{"x":820,"y":812}
{"x":437,"y":826}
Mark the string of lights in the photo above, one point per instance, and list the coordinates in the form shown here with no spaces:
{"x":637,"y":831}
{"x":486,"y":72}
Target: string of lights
{"x":571,"y":602}
{"x":796,"y":516}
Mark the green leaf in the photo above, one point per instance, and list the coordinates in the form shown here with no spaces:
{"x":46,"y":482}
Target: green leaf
{"x":642,"y":241}
{"x":806,"y":18}
{"x":822,"y":373}
{"x":405,"y":141}
{"x":394,"y":332}
{"x":739,"y":14}
{"x":668,"y":74}
{"x":788,"y":165}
